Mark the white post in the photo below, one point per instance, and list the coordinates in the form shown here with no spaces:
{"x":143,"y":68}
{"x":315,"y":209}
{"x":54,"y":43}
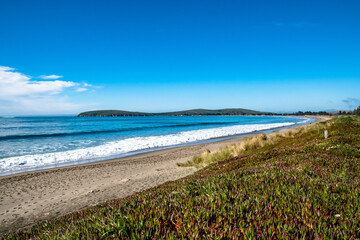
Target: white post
{"x":326,"y":134}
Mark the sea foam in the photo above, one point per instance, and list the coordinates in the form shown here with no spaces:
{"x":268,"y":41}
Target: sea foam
{"x":126,"y":147}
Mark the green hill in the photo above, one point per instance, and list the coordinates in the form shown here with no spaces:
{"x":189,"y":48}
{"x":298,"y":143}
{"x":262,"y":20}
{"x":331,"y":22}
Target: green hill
{"x":193,"y":112}
{"x":112,"y":113}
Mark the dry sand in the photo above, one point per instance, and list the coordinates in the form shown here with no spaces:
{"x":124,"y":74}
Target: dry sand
{"x":36,"y":196}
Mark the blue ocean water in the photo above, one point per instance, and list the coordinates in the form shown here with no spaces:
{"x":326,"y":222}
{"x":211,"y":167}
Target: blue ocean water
{"x":29,"y":143}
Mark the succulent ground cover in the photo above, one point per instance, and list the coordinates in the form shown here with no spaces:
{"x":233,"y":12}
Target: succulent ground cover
{"x":301,"y":186}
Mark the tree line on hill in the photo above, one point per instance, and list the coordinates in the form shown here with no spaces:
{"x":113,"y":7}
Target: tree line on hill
{"x":357,"y":111}
{"x":300,"y":113}
{"x":354,"y":112}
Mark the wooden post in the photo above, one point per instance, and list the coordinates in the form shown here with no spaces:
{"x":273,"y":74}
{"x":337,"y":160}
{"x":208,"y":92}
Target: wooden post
{"x":326,"y":134}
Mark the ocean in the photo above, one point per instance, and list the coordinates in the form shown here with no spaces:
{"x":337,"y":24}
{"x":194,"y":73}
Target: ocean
{"x":32,"y":143}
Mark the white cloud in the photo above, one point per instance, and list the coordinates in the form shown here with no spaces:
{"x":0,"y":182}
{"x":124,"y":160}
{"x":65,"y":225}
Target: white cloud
{"x":81,"y":89}
{"x":17,"y":84}
{"x":48,"y":77}
{"x":19,"y":94}
{"x":4,"y":68}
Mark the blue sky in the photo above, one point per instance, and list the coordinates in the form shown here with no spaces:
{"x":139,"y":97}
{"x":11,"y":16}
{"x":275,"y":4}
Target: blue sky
{"x":64,"y":57}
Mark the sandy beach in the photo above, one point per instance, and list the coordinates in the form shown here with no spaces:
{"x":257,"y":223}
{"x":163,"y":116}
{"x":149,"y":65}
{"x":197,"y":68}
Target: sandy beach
{"x":41,"y":195}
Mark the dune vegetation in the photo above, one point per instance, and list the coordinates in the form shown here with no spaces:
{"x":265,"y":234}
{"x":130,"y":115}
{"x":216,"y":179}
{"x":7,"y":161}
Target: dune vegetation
{"x":299,"y":185}
{"x":248,"y":145}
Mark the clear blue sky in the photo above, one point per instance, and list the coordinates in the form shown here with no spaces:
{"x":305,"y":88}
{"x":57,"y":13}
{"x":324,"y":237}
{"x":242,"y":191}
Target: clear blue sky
{"x":63,"y":57}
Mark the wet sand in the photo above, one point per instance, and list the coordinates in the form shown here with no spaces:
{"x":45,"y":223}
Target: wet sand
{"x":31,"y":197}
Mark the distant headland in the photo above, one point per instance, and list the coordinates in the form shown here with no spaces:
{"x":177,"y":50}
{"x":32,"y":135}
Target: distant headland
{"x":193,"y":112}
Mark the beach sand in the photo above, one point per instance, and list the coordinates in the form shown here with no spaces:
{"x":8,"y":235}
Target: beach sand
{"x":31,"y":197}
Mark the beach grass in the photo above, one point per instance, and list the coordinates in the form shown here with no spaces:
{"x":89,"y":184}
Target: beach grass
{"x":297,"y":185}
{"x":248,"y":145}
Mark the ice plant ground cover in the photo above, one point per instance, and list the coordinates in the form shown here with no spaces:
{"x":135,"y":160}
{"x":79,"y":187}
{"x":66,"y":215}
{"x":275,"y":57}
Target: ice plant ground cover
{"x":302,"y":186}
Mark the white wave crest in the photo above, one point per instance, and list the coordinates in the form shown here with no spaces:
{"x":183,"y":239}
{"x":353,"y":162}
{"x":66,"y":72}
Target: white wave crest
{"x":125,"y":146}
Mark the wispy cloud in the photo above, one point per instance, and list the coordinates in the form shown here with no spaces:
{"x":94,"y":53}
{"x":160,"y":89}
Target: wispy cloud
{"x":81,"y":89}
{"x":351,"y":103}
{"x":48,"y":77}
{"x":20,"y":93}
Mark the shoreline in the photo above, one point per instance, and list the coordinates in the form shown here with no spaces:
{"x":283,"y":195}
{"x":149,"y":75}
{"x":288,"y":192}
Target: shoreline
{"x":144,"y":151}
{"x":31,"y":197}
